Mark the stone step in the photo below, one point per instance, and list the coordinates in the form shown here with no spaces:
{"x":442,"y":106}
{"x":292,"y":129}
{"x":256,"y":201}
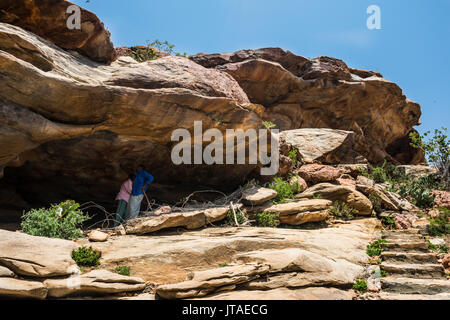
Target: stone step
{"x":425,"y":270}
{"x":409,"y":257}
{"x":417,"y":246}
{"x":406,"y":236}
{"x":397,"y":232}
{"x":398,"y":296}
{"x":415,"y":286}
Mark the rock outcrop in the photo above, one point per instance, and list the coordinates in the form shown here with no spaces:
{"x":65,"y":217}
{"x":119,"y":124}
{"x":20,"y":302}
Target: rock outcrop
{"x":324,"y":93}
{"x":48,"y":19}
{"x":15,"y":288}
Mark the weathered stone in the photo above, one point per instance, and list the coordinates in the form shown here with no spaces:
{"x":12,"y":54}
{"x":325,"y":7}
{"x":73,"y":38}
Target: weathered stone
{"x":442,"y":198}
{"x":36,"y":256}
{"x":323,"y":145}
{"x":353,"y":198}
{"x":316,"y":173}
{"x":346,"y":181}
{"x":96,"y":282}
{"x":202,"y":283}
{"x":217,"y":214}
{"x":446,"y":261}
{"x":98,"y":236}
{"x":300,"y":212}
{"x":353,"y":169}
{"x":162,"y":210}
{"x":417,"y":171}
{"x":15,"y":288}
{"x":5,"y":272}
{"x":298,"y":182}
{"x":257,"y":196}
{"x":404,"y":221}
{"x":304,"y":93}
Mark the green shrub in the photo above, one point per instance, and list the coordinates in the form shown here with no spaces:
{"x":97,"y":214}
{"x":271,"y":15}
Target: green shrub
{"x":264,"y":219}
{"x":143,"y":54}
{"x":59,"y":221}
{"x":86,"y":257}
{"x":293,"y":155}
{"x":123,"y":270}
{"x":283,"y":188}
{"x":360,"y":286}
{"x":388,"y":221}
{"x":383,"y":274}
{"x":223,"y":265}
{"x":240,"y":217}
{"x":440,"y":225}
{"x":342,"y":210}
{"x":375,"y":248}
{"x":148,"y":53}
{"x":269,"y":124}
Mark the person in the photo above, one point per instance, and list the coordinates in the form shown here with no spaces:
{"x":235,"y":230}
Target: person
{"x":141,"y":182}
{"x":122,"y":199}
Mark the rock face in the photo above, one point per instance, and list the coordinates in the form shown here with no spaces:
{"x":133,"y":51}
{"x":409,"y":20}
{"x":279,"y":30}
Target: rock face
{"x":323,"y":145}
{"x":48,"y":19}
{"x":325,"y":93}
{"x":316,"y":173}
{"x":300,"y":212}
{"x":35,"y":256}
{"x":15,"y":288}
{"x":353,"y":198}
{"x":257,"y":196}
{"x":97,"y":282}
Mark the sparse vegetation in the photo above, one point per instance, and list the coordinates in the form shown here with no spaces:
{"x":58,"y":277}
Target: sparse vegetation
{"x":440,"y":225}
{"x":293,"y":156}
{"x":342,"y":210}
{"x":360,"y":286}
{"x":376,"y":202}
{"x":269,"y":125}
{"x":284,"y":190}
{"x":123,"y":270}
{"x":59,"y":221}
{"x":264,"y":219}
{"x":375,"y":248}
{"x":148,"y":53}
{"x":223,"y":265}
{"x":86,"y":257}
{"x":388,"y":221}
{"x":240,"y":217}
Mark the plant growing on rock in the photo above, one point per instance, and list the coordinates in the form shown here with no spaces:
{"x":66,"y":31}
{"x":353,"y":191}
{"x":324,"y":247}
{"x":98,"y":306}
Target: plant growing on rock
{"x":375,"y":248}
{"x":388,"y":221}
{"x":437,"y":150}
{"x":123,"y":270}
{"x":240,"y":217}
{"x":293,"y":156}
{"x":440,"y":225}
{"x":59,"y":221}
{"x":342,"y":210}
{"x":86,"y":257}
{"x":360,"y":286}
{"x":269,"y":125}
{"x":264,"y":219}
{"x":284,"y":190}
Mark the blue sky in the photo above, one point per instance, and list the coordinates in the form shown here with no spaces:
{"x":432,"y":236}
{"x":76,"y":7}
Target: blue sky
{"x":412,"y":48}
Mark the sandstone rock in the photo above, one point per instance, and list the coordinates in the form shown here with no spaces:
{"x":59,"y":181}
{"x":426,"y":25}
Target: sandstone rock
{"x":300,"y":212}
{"x":417,"y":171}
{"x":162,"y":210}
{"x":442,"y":198}
{"x":98,"y":236}
{"x":353,"y":198}
{"x":257,"y":196}
{"x":5,"y":272}
{"x":97,"y":282}
{"x":137,"y":108}
{"x":316,"y":173}
{"x":323,"y":145}
{"x":404,"y":221}
{"x":346,"y":181}
{"x":285,"y":294}
{"x":36,"y":256}
{"x":15,"y":288}
{"x":189,"y":220}
{"x":202,"y":283}
{"x":353,"y":169}
{"x":286,"y":165}
{"x":303,"y":93}
{"x":300,"y":182}
{"x":437,"y":241}
{"x":446,"y":261}
{"x":120,"y":231}
{"x":49,"y":21}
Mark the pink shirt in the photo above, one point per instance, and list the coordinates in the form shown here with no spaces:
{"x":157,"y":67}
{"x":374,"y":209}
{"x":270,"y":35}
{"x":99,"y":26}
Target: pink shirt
{"x":125,"y":191}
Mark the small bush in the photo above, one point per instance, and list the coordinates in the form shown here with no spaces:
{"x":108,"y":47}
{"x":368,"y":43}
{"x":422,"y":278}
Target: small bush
{"x":293,"y":155}
{"x":86,"y":257}
{"x":59,"y":221}
{"x":375,"y":248}
{"x":240,"y":217}
{"x":342,"y":210}
{"x":283,"y":188}
{"x":223,"y":265}
{"x":270,"y":220}
{"x":383,"y":273}
{"x":388,"y":221}
{"x":360,"y":286}
{"x":440,"y":225}
{"x":269,"y":125}
{"x":123,"y":270}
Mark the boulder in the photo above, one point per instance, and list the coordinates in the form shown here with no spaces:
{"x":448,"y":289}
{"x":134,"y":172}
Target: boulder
{"x":48,"y":19}
{"x":442,"y":198}
{"x":33,"y":256}
{"x":300,"y":212}
{"x":189,"y":220}
{"x":162,"y":210}
{"x":417,"y":171}
{"x":96,"y":282}
{"x":98,"y":236}
{"x":5,"y":272}
{"x":316,"y":173}
{"x":346,"y":181}
{"x":446,"y":261}
{"x":15,"y":288}
{"x":322,"y":145}
{"x":257,"y":196}
{"x":353,"y":198}
{"x":353,"y":170}
{"x":325,"y":93}
{"x":404,"y":221}
{"x":201,"y":283}
{"x":296,"y":181}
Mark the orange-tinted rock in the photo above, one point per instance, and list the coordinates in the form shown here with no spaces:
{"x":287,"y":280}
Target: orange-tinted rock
{"x":316,"y":173}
